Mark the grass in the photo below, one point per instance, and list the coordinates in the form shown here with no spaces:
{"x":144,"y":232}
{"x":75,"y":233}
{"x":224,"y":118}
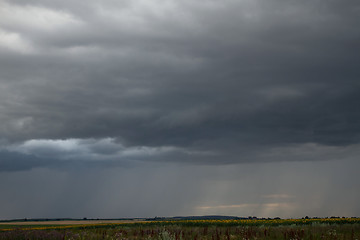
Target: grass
{"x":339,"y":228}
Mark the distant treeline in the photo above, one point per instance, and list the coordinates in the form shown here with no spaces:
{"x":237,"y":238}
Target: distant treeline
{"x":208,"y":217}
{"x":68,"y":219}
{"x":219,"y":217}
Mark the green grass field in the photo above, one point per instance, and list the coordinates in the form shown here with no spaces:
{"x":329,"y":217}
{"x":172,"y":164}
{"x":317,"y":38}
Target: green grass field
{"x":343,"y":228}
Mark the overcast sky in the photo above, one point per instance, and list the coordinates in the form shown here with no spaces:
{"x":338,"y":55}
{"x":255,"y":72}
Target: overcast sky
{"x":144,"y":108}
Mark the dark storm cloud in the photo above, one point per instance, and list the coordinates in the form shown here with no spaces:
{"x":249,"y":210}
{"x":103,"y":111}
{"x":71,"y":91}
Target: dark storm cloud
{"x":10,"y":161}
{"x":229,"y":78}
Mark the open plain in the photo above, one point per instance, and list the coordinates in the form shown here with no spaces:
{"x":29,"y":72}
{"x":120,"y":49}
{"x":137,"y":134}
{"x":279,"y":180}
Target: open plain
{"x":327,"y":228}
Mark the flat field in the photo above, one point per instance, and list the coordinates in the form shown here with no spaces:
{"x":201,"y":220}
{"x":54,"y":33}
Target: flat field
{"x":334,"y":228}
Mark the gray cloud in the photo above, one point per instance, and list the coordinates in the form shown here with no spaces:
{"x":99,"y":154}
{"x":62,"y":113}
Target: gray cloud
{"x":180,"y":75}
{"x":156,"y":84}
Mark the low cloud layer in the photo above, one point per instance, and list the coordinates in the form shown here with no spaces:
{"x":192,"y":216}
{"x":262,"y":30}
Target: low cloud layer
{"x":102,"y":85}
{"x":109,"y":152}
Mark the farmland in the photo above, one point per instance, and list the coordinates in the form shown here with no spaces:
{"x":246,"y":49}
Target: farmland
{"x":327,"y":228}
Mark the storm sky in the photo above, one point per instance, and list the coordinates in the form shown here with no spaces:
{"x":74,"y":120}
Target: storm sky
{"x":144,"y":108}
